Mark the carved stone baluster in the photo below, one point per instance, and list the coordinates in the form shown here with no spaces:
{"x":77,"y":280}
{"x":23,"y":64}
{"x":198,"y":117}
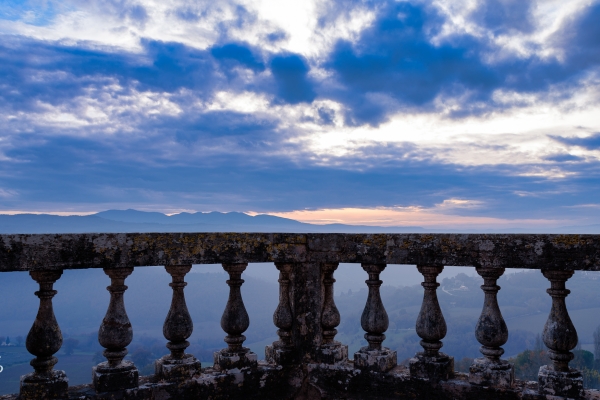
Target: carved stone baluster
{"x":114,"y":335}
{"x":234,"y":322}
{"x":331,"y":351}
{"x":375,"y":322}
{"x":281,"y":352}
{"x":44,"y":339}
{"x":560,"y":337}
{"x":491,"y":332}
{"x":431,"y":328}
{"x":177,"y":328}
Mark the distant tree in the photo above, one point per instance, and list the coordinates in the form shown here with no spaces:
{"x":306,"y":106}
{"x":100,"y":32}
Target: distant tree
{"x":69,"y":346}
{"x":597,"y":343}
{"x":141,"y":356}
{"x":19,"y":340}
{"x":539,"y":343}
{"x":7,"y":340}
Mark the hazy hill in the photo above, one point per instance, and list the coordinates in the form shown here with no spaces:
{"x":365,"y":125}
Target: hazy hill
{"x":141,"y":221}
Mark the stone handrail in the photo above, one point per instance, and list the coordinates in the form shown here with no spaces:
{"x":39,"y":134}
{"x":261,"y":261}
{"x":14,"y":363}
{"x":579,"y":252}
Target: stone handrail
{"x":29,"y":252}
{"x":307,"y":361}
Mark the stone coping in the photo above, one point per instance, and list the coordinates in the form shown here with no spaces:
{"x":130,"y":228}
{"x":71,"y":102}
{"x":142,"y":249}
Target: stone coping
{"x":27,"y":252}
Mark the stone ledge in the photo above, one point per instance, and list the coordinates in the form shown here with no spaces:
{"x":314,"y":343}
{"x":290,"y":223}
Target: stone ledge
{"x":317,"y":381}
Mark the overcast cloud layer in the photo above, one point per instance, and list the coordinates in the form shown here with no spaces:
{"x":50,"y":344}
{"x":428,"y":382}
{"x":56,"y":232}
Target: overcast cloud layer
{"x":477,"y":112}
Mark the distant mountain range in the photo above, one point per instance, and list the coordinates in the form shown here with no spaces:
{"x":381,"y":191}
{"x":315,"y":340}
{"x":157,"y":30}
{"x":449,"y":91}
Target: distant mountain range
{"x":140,"y":221}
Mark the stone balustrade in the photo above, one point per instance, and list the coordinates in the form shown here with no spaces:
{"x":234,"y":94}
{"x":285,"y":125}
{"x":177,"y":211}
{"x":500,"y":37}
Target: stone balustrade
{"x":307,"y":361}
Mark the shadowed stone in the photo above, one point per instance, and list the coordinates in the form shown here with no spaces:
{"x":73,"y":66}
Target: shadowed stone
{"x":560,"y":337}
{"x":431,"y":364}
{"x":234,"y":322}
{"x":331,"y":351}
{"x":374,"y":321}
{"x":282,"y":352}
{"x":491,"y":332}
{"x":115,"y":334}
{"x":177,"y":328}
{"x":44,"y":339}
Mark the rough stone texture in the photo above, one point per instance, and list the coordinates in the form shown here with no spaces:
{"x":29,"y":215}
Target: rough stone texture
{"x":72,"y":251}
{"x":115,"y":334}
{"x":306,"y":260}
{"x":381,"y":360}
{"x":282,"y":351}
{"x":225,"y":360}
{"x":109,"y":379}
{"x":486,"y":372}
{"x":560,"y":383}
{"x":434,"y":369}
{"x":176,"y":369}
{"x":43,"y":341}
{"x":52,"y":385}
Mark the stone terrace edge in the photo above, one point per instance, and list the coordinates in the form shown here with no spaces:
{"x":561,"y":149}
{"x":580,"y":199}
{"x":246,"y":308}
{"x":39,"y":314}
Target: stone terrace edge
{"x":31,"y":252}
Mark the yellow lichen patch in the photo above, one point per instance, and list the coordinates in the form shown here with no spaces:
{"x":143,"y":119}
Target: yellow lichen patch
{"x":568,"y":240}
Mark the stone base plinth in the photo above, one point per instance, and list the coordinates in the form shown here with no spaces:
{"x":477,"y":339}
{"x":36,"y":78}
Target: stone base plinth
{"x":108,"y":379}
{"x":171,"y":369}
{"x":225,"y":360}
{"x":332,"y":353}
{"x":485,"y":372}
{"x":279,"y":356}
{"x":439,"y":368}
{"x":375,"y":360}
{"x":53,"y":385}
{"x":564,"y":384}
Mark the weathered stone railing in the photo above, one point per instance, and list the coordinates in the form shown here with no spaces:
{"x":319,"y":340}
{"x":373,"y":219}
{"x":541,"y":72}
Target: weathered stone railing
{"x":306,"y":361}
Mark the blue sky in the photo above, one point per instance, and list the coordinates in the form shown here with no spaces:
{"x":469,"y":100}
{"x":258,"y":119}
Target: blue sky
{"x":443,"y":114}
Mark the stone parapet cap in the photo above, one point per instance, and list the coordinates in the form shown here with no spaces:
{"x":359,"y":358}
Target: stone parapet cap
{"x":31,"y":252}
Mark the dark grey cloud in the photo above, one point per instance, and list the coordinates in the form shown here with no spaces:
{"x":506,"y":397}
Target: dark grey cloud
{"x":395,"y":58}
{"x":591,"y":142}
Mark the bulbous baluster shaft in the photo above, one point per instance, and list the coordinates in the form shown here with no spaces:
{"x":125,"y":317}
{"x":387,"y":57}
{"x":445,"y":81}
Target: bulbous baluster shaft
{"x":234,"y":322}
{"x":115,"y":335}
{"x":282,"y":317}
{"x":330,"y":351}
{"x":374,"y":319}
{"x":560,"y":337}
{"x":116,"y":332}
{"x":330,"y":316}
{"x":178,"y":324}
{"x":491,"y":330}
{"x":431,"y":325}
{"x":178,"y":327}
{"x":282,"y":352}
{"x":559,"y":333}
{"x":43,"y":341}
{"x":235,"y":318}
{"x":431,"y":328}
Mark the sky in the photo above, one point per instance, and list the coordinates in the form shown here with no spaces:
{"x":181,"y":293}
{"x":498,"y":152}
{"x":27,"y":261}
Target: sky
{"x":447,"y":113}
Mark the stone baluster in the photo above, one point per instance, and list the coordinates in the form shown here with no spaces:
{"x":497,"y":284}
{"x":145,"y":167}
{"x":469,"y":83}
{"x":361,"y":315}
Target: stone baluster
{"x":44,"y":339}
{"x":114,"y":335}
{"x":431,"y":327}
{"x":331,"y":351}
{"x":177,"y":329}
{"x":234,"y":322}
{"x":374,"y":321}
{"x":560,"y":337}
{"x":281,"y":352}
{"x":491,"y":332}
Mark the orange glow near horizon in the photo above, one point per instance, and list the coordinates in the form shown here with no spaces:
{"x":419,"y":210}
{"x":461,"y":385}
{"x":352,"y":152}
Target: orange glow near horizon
{"x":408,"y":216}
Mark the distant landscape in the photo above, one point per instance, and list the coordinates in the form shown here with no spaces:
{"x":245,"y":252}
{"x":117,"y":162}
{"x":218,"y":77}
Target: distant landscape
{"x":140,"y":221}
{"x":82,"y":299}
